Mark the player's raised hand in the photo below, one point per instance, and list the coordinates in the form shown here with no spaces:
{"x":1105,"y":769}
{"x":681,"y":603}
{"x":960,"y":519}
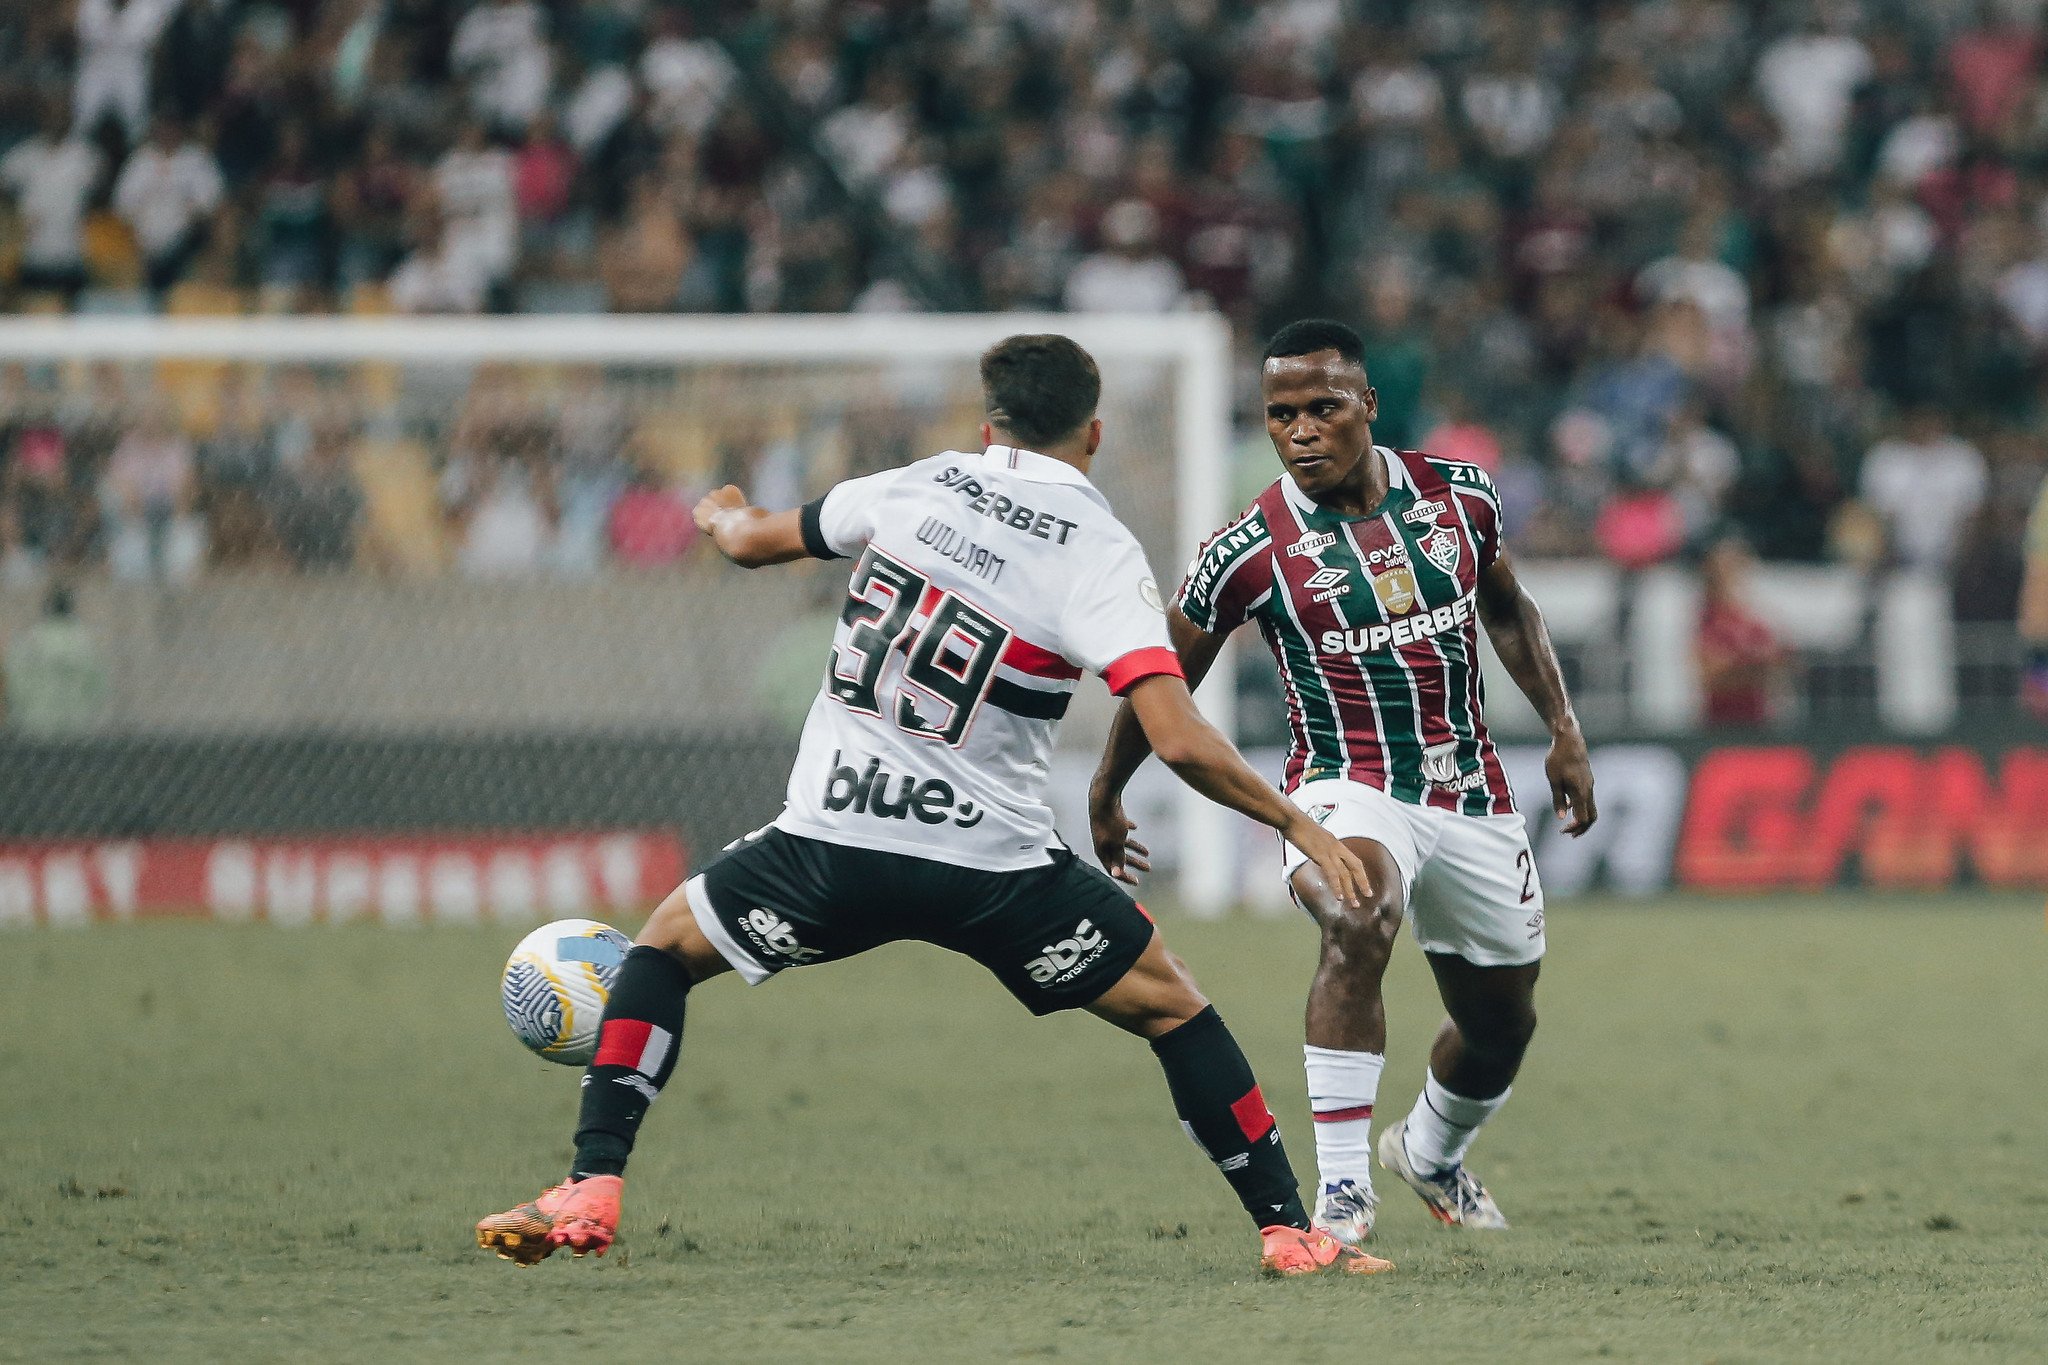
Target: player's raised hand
{"x":1121,"y":856}
{"x":1570,"y":770}
{"x":1342,"y":872}
{"x":726,"y":499}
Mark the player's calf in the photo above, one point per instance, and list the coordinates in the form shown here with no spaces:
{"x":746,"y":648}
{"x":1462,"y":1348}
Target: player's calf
{"x":1474,"y":1061}
{"x":637,"y":1047}
{"x":638,"y":1044}
{"x":1345,"y":1051}
{"x":1472,"y":1066}
{"x":1479,"y":1052}
{"x":1223,"y":1110}
{"x":1214,"y":1091}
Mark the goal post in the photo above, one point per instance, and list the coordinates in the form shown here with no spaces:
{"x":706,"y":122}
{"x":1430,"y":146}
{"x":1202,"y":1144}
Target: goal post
{"x":799,"y":402}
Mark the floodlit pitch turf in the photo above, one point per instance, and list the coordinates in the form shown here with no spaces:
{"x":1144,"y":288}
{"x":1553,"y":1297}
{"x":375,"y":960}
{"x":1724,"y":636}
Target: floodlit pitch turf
{"x":1800,"y":1130}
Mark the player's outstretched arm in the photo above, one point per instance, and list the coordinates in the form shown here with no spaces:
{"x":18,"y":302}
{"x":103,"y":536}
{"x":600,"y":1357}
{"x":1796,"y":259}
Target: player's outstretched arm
{"x":1201,"y":757}
{"x":1121,"y":855}
{"x":1515,"y":625}
{"x":747,"y":535}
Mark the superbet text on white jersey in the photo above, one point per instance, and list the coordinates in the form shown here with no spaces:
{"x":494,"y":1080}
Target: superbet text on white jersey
{"x":984,"y":586}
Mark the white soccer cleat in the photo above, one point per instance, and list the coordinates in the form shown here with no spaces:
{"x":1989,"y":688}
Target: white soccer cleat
{"x":1345,"y":1210}
{"x":1455,"y":1196}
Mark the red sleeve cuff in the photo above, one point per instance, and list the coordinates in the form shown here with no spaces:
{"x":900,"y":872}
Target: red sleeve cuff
{"x":1140,"y":664}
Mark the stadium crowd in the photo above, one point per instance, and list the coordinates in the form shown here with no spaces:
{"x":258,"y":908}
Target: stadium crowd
{"x":1671,"y":268}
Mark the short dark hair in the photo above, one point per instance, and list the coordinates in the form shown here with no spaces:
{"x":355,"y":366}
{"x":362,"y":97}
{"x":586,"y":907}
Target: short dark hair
{"x":1316,"y":334}
{"x":1039,"y":389}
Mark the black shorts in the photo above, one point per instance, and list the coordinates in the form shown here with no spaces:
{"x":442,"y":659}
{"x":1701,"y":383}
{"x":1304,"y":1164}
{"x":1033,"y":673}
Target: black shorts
{"x":1057,"y":936}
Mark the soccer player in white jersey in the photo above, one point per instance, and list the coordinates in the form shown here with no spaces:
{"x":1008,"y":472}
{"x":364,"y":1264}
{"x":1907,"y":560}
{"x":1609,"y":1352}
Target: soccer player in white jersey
{"x":1368,"y":571}
{"x":983,"y":586}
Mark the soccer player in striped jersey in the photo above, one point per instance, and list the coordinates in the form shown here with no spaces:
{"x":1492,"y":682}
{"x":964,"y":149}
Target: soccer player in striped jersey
{"x":1368,"y":572}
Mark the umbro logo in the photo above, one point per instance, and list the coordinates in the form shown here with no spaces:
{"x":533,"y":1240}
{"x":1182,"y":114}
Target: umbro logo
{"x":1330,"y":579}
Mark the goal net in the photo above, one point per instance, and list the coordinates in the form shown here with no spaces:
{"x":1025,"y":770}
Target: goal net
{"x":364,"y":584}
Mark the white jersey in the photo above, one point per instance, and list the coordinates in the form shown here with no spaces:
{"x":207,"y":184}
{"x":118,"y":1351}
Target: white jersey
{"x":986,"y":585}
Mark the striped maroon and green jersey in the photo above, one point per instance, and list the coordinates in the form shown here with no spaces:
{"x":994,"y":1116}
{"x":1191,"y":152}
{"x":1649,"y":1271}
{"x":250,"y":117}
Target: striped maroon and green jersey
{"x":1373,"y":623}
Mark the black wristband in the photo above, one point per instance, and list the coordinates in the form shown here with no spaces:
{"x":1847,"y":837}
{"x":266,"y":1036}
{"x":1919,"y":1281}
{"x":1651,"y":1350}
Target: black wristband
{"x":814,"y":530}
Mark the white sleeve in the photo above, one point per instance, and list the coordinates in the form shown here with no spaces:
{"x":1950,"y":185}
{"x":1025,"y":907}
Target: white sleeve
{"x":1114,"y":622}
{"x":842,"y":522}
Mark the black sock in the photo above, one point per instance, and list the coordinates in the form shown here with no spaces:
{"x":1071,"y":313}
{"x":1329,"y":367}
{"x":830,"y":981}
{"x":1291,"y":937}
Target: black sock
{"x":1219,"y":1104}
{"x":637,"y":1046}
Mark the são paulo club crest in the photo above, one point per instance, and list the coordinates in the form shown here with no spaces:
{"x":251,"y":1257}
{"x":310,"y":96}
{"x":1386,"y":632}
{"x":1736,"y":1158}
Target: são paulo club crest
{"x":1441,"y":548}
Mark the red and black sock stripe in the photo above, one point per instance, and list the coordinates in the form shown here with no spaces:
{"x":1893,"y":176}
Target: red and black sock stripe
{"x":637,"y":1046}
{"x":1220,"y":1105}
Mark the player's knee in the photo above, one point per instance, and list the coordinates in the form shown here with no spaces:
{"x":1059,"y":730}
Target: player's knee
{"x":1156,"y":996}
{"x":673,"y":928}
{"x":671,"y":924}
{"x":1363,"y":937}
{"x":1525,"y":1027}
{"x":1174,"y":997}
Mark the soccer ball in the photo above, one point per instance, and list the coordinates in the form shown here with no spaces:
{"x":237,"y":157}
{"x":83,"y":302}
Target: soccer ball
{"x":556,"y":984}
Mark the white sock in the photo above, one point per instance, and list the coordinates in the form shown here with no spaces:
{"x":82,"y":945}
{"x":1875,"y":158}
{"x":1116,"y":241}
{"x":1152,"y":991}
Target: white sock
{"x":1441,"y":1125}
{"x":1341,"y":1090}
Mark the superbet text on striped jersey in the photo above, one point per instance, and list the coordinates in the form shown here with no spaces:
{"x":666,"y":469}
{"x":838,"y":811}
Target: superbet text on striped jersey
{"x":1373,"y":623}
{"x":985,"y":586}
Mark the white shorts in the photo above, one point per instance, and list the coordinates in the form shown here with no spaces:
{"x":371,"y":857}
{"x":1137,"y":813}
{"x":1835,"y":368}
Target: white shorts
{"x":1469,"y":881}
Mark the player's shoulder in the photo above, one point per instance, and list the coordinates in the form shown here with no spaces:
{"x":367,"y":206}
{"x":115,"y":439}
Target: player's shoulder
{"x":1461,"y":475}
{"x":1249,"y":532}
{"x":947,"y":464}
{"x":947,"y":469}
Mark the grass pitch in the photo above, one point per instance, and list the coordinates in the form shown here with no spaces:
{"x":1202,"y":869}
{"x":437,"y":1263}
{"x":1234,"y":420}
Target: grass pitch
{"x":1815,"y":1129}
